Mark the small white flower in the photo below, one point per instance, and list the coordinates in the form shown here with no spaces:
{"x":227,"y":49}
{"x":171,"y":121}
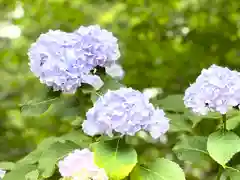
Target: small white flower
{"x":2,"y":173}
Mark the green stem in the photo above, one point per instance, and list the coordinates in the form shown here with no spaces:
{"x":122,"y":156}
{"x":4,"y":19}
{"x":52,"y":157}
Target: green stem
{"x":219,"y":174}
{"x":224,"y":119}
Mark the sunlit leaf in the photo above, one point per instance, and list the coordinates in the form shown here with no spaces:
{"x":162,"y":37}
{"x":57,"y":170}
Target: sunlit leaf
{"x":20,"y":172}
{"x":33,"y":175}
{"x":117,"y":158}
{"x":222,"y":146}
{"x":7,"y":165}
{"x":160,"y":169}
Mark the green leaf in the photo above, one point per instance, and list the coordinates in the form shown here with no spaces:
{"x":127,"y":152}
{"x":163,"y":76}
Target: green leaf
{"x":178,"y":123}
{"x":222,"y":146}
{"x":161,"y":169}
{"x":205,"y":127}
{"x":110,"y":84}
{"x":19,"y":172}
{"x":36,"y":107}
{"x":78,"y":138}
{"x":95,"y":96}
{"x":233,"y":122}
{"x":7,"y":165}
{"x":51,"y":155}
{"x":172,"y":103}
{"x":31,"y":158}
{"x":117,"y":158}
{"x":66,"y":105}
{"x":33,"y":175}
{"x":194,"y":118}
{"x":192,"y":149}
{"x":77,"y":123}
{"x":34,"y":156}
{"x":233,"y":174}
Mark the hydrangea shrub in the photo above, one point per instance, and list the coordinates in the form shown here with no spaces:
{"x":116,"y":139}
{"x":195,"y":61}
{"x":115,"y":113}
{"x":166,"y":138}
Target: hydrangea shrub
{"x":114,"y":126}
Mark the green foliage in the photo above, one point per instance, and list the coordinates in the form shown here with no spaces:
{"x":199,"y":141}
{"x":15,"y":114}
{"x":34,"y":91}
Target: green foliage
{"x":34,"y":156}
{"x":178,"y":123}
{"x":168,"y":105}
{"x":45,"y":157}
{"x":78,"y":138}
{"x":192,"y":149}
{"x":233,"y":174}
{"x":49,"y":158}
{"x":7,"y":165}
{"x":222,"y":146}
{"x":117,"y":158}
{"x":233,"y":122}
{"x":33,"y":175}
{"x":20,"y":172}
{"x":36,"y":108}
{"x":162,"y":169}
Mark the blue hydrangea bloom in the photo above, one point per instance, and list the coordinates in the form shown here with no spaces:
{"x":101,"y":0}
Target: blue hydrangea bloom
{"x":65,"y":60}
{"x":216,"y":89}
{"x":125,"y":111}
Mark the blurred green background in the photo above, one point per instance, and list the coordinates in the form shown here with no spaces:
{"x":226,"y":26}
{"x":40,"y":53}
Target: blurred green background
{"x":164,"y":44}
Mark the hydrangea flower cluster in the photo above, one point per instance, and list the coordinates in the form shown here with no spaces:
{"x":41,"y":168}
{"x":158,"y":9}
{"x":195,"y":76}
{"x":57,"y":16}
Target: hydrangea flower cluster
{"x":80,"y":165}
{"x":66,"y":60}
{"x":216,"y":89}
{"x":125,"y":111}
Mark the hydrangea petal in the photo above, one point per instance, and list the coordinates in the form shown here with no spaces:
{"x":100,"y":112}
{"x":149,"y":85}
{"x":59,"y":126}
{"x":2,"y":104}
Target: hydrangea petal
{"x":160,"y":126}
{"x":115,"y":71}
{"x":91,"y":128}
{"x":93,"y":80}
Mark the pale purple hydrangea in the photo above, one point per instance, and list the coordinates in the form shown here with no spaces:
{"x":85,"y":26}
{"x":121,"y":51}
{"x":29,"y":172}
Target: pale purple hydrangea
{"x":125,"y":111}
{"x":80,"y":165}
{"x":216,"y":89}
{"x":65,"y":60}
